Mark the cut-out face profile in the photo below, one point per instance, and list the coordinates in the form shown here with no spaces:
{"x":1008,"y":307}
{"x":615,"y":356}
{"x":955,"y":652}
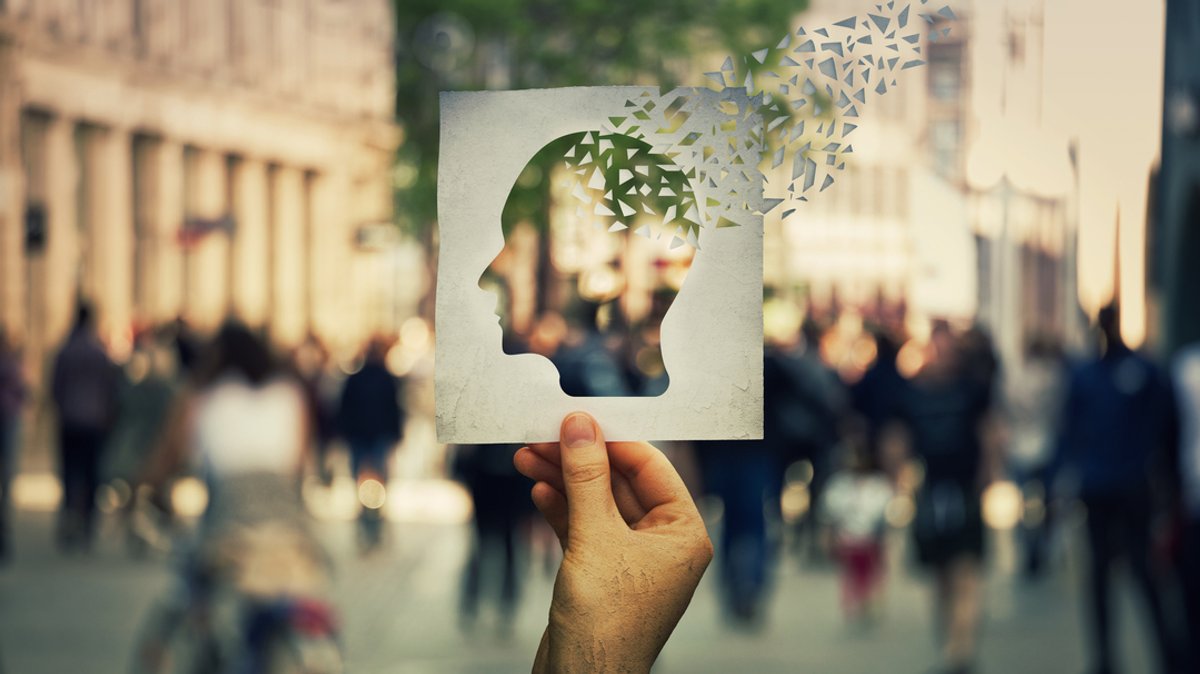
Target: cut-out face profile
{"x":605,"y":230}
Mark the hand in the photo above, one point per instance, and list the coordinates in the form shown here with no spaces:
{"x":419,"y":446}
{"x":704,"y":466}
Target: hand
{"x":634,"y":548}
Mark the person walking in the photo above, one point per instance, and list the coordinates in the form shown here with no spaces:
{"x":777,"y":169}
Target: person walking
{"x":941,"y":414}
{"x":804,"y":402}
{"x":243,"y":424}
{"x":499,"y":495}
{"x":371,"y":419}
{"x":1117,"y":425}
{"x":148,"y":388}
{"x":85,"y":389}
{"x":853,"y":514}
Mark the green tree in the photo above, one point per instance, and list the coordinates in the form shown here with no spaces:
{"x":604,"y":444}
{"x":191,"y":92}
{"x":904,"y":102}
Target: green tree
{"x":477,"y":44}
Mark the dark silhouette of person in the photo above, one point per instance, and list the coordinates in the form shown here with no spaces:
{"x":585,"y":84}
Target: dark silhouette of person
{"x":875,"y":395}
{"x":85,"y":388}
{"x":500,"y":499}
{"x":370,"y":416}
{"x":586,"y":365}
{"x":942,"y":409}
{"x":804,"y":402}
{"x":1117,"y":425}
{"x":747,"y":474}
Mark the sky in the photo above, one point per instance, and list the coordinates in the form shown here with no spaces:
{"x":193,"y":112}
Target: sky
{"x":1103,"y":86}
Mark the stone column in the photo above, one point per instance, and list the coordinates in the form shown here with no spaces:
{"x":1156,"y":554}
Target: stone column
{"x":287,"y":240}
{"x":110,"y":213}
{"x":251,"y":276}
{"x":12,"y":203}
{"x":63,"y":247}
{"x":164,"y":210}
{"x":330,"y":239}
{"x":370,"y":202}
{"x":207,"y":295}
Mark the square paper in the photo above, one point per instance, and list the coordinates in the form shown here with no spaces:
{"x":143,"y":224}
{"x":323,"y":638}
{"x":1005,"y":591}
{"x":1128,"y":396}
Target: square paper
{"x":712,"y":334}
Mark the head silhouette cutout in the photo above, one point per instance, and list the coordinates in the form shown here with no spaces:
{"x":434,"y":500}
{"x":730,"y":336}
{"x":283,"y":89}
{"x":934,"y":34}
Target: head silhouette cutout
{"x":599,"y":233}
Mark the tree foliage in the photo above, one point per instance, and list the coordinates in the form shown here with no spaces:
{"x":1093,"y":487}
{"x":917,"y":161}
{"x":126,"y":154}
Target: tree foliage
{"x":479,"y":44}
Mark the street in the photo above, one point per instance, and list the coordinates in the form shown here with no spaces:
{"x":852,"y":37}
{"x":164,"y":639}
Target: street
{"x":398,"y":607}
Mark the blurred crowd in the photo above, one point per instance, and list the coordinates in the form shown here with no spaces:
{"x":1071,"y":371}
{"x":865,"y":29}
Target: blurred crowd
{"x":932,"y":435}
{"x":916,"y":436}
{"x":249,"y":425}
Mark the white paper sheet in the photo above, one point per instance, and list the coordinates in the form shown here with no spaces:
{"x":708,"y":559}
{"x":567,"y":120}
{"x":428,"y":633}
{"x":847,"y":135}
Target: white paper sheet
{"x":711,"y":336}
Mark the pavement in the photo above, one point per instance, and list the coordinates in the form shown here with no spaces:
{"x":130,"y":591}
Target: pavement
{"x":79,"y":614}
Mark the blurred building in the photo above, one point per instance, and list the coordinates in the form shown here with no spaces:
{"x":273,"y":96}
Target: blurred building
{"x":958,"y":204}
{"x":1177,"y":225}
{"x":891,"y":236}
{"x":196,"y":158}
{"x":1022,"y":182}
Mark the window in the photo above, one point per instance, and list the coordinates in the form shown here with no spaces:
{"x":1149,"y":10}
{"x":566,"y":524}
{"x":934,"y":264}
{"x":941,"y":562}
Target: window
{"x":945,"y":71}
{"x":944,"y":143}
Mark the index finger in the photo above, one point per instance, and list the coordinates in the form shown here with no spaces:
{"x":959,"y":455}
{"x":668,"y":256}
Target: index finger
{"x":549,"y":451}
{"x":654,"y":480}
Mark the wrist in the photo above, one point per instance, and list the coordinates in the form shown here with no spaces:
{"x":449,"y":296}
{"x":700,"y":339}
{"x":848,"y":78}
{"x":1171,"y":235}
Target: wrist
{"x":586,"y":651}
{"x":541,"y":661}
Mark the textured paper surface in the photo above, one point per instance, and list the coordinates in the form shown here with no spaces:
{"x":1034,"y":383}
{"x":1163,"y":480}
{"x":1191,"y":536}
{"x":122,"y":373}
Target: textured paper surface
{"x":711,"y":337}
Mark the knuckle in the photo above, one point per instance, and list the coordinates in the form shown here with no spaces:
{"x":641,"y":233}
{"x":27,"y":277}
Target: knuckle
{"x":585,"y":472}
{"x":700,"y":547}
{"x":704,"y":551}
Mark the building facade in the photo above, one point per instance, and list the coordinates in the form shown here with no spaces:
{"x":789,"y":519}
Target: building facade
{"x":891,"y":235}
{"x":1021,"y":180}
{"x":957,"y":203}
{"x":1178,"y":209}
{"x":197,"y":159}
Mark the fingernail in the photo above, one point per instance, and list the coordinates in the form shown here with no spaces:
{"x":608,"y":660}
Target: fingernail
{"x":578,"y":431}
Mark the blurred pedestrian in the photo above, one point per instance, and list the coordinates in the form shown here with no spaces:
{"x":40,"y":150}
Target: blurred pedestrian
{"x":742,"y":474}
{"x":1186,"y":376}
{"x":853,"y":514}
{"x":499,"y":495}
{"x":85,"y":390}
{"x":148,"y":388}
{"x":1032,"y":401}
{"x":587,"y":367}
{"x":13,"y":393}
{"x":187,"y":345}
{"x":1117,"y":425}
{"x":310,"y":361}
{"x":243,"y":424}
{"x":244,"y":419}
{"x":804,"y":401}
{"x":942,"y":412}
{"x":370,"y":417}
{"x":875,"y":395}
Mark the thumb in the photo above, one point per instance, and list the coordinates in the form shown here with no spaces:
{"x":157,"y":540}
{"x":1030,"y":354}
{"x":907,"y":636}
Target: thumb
{"x":586,"y":473}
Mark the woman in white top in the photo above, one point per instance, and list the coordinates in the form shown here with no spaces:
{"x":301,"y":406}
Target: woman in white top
{"x":244,"y":425}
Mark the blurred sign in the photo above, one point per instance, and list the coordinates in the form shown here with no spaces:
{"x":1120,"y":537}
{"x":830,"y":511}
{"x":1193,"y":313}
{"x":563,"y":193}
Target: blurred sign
{"x":195,"y":229}
{"x":35,"y":228}
{"x":376,"y":236}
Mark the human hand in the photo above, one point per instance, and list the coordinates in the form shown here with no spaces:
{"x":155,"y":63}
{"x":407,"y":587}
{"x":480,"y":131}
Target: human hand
{"x":634,"y":548}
